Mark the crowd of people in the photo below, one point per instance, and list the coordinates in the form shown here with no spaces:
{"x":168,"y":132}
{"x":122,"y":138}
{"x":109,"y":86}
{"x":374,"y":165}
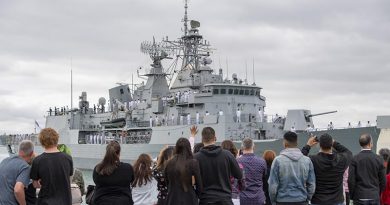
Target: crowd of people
{"x":203,"y":173}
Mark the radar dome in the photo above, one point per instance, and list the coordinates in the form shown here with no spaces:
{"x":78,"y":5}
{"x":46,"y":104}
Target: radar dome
{"x":102,"y":101}
{"x":207,"y":61}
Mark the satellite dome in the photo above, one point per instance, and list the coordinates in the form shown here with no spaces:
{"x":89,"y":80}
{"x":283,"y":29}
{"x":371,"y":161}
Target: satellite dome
{"x":102,"y":101}
{"x":207,"y":61}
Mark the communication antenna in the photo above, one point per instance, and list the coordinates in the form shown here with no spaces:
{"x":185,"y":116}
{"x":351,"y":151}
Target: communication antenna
{"x":71,"y":84}
{"x":246,"y":72}
{"x":227,"y":69}
{"x":253,"y":70}
{"x":71,"y":92}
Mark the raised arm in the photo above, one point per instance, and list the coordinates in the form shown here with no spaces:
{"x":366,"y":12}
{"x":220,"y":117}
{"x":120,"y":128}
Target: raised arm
{"x":194,"y":131}
{"x":312,"y":141}
{"x":341,"y":149}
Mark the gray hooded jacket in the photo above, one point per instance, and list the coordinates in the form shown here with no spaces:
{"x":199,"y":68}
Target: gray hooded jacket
{"x":292,"y":177}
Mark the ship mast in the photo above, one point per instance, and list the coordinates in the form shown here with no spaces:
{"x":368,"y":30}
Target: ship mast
{"x":185,"y":19}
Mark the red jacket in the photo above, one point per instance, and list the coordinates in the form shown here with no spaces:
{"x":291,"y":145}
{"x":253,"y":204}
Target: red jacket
{"x":385,"y":198}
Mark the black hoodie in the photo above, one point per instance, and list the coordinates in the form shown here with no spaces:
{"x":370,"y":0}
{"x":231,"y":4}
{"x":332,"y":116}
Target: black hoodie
{"x":329,"y":170}
{"x":216,"y":166}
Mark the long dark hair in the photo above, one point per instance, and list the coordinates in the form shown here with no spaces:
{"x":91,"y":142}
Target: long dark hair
{"x":229,"y":146}
{"x":165,"y":155}
{"x":182,"y":155}
{"x":111,"y":159}
{"x":142,"y":170}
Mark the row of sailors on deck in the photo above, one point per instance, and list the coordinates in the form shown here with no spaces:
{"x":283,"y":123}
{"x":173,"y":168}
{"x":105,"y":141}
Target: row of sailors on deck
{"x":331,"y":126}
{"x":173,"y":121}
{"x":58,"y":111}
{"x":359,"y":124}
{"x":95,"y":139}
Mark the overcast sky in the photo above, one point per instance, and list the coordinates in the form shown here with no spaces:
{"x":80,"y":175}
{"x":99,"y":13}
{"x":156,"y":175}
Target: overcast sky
{"x":317,"y":55}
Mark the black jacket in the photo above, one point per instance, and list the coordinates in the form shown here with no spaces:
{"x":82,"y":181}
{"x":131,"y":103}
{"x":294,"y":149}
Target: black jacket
{"x":114,"y":188}
{"x":366,"y":176}
{"x":216,"y":166}
{"x":329,"y":170}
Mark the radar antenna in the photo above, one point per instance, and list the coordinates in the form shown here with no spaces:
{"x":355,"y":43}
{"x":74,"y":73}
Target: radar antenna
{"x":156,"y":51}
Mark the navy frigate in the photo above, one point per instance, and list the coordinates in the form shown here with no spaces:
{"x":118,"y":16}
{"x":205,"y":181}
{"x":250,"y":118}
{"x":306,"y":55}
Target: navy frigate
{"x":148,"y":116}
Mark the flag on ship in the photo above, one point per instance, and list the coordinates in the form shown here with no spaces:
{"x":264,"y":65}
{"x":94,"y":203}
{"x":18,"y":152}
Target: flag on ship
{"x":37,"y":127}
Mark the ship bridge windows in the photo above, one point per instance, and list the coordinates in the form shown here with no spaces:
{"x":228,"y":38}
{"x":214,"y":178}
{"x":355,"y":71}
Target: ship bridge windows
{"x":121,"y":91}
{"x":235,"y":91}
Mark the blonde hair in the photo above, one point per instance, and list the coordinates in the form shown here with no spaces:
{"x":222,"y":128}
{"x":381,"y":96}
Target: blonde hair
{"x":48,"y":138}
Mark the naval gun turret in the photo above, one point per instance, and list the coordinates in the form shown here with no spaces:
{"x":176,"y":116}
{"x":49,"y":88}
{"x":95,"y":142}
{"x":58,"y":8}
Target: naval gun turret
{"x":300,"y":120}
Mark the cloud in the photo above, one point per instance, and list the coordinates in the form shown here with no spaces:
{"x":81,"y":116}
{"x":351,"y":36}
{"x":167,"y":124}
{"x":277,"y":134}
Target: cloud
{"x":308,"y":54}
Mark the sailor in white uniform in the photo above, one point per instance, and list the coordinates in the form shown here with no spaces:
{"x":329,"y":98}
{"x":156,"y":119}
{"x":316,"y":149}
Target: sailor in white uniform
{"x":309,"y":129}
{"x":150,"y":121}
{"x":261,"y":115}
{"x":197,"y":117}
{"x":156,"y":120}
{"x":185,"y":96}
{"x":164,"y":100}
{"x":238,"y":112}
{"x":349,"y":125}
{"x":207,"y":113}
{"x":178,"y":97}
{"x":220,"y":112}
{"x":292,"y":129}
{"x":181,"y":119}
{"x":132,"y":104}
{"x":173,"y":119}
{"x":330,"y":126}
{"x":359,"y":124}
{"x":189,"y":119}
